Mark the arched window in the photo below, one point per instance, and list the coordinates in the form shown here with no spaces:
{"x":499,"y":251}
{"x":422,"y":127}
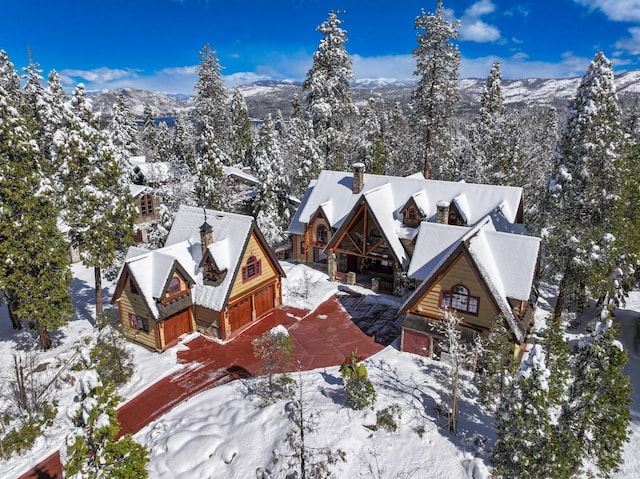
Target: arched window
{"x":174,"y":286}
{"x":459,"y":299}
{"x":321,"y":234}
{"x":146,"y":205}
{"x":411,"y":216}
{"x":251,"y":269}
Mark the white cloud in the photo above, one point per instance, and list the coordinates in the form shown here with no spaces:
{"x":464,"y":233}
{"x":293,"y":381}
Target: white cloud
{"x":473,"y":29}
{"x":520,"y":66}
{"x":97,"y":75}
{"x":399,"y":67}
{"x":618,"y":10}
{"x":631,"y":45}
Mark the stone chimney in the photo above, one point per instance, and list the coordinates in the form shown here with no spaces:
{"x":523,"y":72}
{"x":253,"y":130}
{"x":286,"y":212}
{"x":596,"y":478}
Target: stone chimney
{"x":206,"y":234}
{"x":442,"y":212}
{"x":358,"y":178}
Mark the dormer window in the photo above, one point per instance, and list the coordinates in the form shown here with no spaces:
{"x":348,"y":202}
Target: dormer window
{"x":146,"y":205}
{"x":321,"y":234}
{"x":459,"y":299}
{"x":174,"y":286}
{"x":132,"y":287}
{"x":411,"y":216}
{"x":251,"y":269}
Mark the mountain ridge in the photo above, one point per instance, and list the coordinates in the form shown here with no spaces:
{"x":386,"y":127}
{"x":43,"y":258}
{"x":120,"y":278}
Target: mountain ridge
{"x":268,"y":96}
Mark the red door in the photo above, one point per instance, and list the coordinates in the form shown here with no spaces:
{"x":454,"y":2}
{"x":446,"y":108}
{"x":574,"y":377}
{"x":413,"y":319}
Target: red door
{"x":416,"y":342}
{"x":175,"y":326}
{"x":264,"y":301}
{"x":240,"y":314}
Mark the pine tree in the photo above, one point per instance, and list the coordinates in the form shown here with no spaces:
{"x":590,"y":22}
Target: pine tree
{"x":596,"y":417}
{"x":585,"y":190}
{"x":183,"y":145}
{"x":210,"y":102}
{"x":496,"y":365}
{"x":210,"y":188}
{"x":34,"y":274}
{"x":275,"y":349}
{"x":400,"y":161}
{"x":327,"y":90}
{"x":123,"y":133}
{"x":241,"y":152}
{"x":557,"y":360}
{"x":271,"y":204}
{"x":92,"y":450}
{"x":302,"y":150}
{"x":525,"y":445}
{"x":148,"y":135}
{"x":98,"y":205}
{"x":491,"y":158}
{"x":435,"y":98}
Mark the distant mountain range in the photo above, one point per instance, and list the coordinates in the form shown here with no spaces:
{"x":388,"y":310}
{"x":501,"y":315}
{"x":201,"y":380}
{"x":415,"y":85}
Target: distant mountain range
{"x":270,"y":96}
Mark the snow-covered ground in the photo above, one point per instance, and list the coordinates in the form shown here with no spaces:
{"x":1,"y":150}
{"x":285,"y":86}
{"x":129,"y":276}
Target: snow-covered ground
{"x":223,"y":433}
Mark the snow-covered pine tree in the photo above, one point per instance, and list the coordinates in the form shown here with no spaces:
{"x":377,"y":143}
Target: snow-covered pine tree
{"x":557,"y":360}
{"x":490,"y":159}
{"x":123,"y":133}
{"x":400,"y":161}
{"x":302,"y":155}
{"x":98,"y":208}
{"x":585,"y":191}
{"x":92,"y":451}
{"x":148,"y":134}
{"x":373,"y":135}
{"x":164,"y":137}
{"x":525,"y":446}
{"x":210,"y":102}
{"x":435,"y":98}
{"x":496,"y":365}
{"x":271,"y":203}
{"x":34,"y":274}
{"x":327,"y":93}
{"x":241,"y":151}
{"x":595,"y":419}
{"x":183,"y":144}
{"x":210,"y":185}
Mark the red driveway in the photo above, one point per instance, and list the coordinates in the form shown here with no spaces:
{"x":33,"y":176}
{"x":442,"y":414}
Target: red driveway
{"x":322,"y":338}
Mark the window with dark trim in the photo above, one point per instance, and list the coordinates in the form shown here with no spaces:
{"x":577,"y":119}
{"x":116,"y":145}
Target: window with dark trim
{"x":251,"y":269}
{"x":174,"y":286}
{"x":132,"y":287}
{"x":146,"y":205}
{"x":411,"y":216}
{"x":303,"y":248}
{"x":138,"y":322}
{"x":321,"y":234}
{"x":459,"y":299}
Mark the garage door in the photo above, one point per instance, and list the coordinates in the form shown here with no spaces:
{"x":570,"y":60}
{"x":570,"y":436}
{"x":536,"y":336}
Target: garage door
{"x":175,"y":326}
{"x":416,"y":342}
{"x":240,"y":314}
{"x":264,"y":301}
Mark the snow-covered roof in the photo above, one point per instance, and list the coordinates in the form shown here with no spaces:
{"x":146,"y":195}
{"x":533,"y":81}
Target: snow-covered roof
{"x":333,"y":191}
{"x":151,"y":269}
{"x":157,"y":171}
{"x":506,"y":261}
{"x":240,"y":175}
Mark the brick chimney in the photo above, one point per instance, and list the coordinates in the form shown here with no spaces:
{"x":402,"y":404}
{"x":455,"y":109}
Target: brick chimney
{"x":358,"y":178}
{"x":442,"y":212}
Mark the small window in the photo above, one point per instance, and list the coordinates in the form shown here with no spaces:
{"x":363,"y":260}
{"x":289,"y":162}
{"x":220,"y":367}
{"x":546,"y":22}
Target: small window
{"x":132,"y":287}
{"x":459,"y":299}
{"x":146,"y":205}
{"x":174,"y":286}
{"x":411,"y":216}
{"x":303,"y":248}
{"x":321,"y":234}
{"x":251,"y":269}
{"x":138,"y":322}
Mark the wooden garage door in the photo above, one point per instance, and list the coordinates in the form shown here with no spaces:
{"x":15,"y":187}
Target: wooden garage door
{"x":264,"y":301}
{"x":416,"y":343}
{"x":240,"y":314}
{"x":176,"y":325}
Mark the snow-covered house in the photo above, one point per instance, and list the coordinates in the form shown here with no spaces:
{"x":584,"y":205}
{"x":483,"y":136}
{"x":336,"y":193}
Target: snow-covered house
{"x":147,"y":202}
{"x":479,"y":272}
{"x":364,"y":225}
{"x":216,"y":274}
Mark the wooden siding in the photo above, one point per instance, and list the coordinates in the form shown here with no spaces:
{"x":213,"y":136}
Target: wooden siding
{"x":130,"y":303}
{"x":241,"y":288}
{"x":461,"y":272}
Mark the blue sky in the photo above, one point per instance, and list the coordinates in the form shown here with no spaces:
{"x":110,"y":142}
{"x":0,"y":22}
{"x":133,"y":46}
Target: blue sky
{"x":155,"y":44}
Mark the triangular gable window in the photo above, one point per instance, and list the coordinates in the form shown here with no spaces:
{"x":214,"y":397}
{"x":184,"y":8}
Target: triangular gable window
{"x":411,"y":215}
